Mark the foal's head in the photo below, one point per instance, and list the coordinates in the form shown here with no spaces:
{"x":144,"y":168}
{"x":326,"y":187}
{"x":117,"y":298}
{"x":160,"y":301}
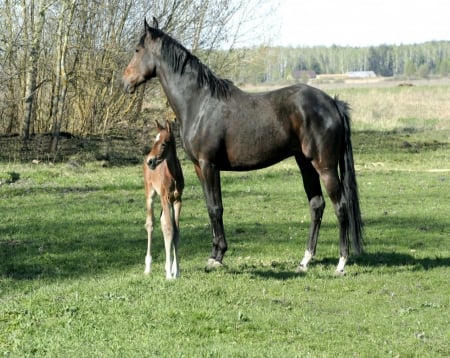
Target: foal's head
{"x":163,"y":147}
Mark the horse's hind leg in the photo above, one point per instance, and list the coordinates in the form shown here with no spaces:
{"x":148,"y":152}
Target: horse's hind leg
{"x":313,"y":191}
{"x":333,"y":186}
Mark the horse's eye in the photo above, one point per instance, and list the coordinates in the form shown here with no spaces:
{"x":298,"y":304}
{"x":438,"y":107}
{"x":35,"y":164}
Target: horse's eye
{"x":137,"y":50}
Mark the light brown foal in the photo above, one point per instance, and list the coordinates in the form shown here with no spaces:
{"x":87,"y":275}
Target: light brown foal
{"x":163,"y":176}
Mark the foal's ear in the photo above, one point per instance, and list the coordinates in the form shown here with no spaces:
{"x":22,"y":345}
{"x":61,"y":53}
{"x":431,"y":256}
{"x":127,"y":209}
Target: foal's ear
{"x":168,"y":126}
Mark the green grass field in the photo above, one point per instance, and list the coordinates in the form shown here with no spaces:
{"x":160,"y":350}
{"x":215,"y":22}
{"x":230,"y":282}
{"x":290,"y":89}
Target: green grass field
{"x":72,"y":247}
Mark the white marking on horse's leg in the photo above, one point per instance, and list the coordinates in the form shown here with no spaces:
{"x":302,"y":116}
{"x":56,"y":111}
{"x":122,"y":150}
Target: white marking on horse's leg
{"x":213,"y":263}
{"x":303,"y":267}
{"x":210,"y":262}
{"x":341,"y":265}
{"x":148,"y":264}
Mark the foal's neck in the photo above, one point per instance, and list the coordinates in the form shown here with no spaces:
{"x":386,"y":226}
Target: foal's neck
{"x":172,"y":162}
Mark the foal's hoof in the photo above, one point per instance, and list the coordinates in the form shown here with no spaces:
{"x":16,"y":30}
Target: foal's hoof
{"x":301,"y":269}
{"x":339,"y":273}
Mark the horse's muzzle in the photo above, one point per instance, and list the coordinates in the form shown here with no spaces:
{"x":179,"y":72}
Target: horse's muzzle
{"x":129,"y":88}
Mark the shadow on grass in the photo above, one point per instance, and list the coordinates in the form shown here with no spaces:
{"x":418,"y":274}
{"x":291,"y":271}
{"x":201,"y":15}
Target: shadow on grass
{"x":373,"y":260}
{"x":390,"y":259}
{"x":64,"y":248}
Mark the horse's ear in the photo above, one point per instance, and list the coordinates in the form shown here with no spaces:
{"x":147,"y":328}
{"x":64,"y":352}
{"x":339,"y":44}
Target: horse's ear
{"x":155,"y":23}
{"x":168,"y":129}
{"x":146,"y":25}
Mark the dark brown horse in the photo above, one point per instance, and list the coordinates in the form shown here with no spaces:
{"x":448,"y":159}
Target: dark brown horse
{"x":163,"y":176}
{"x":224,"y":128}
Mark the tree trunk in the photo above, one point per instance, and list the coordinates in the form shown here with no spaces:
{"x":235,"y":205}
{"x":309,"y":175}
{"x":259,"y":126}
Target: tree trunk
{"x":32,"y":68}
{"x":59,"y":96}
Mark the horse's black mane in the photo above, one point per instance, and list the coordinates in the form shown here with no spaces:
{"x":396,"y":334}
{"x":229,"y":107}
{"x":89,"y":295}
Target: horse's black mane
{"x":178,"y":57}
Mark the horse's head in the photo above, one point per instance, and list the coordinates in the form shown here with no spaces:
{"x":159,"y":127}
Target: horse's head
{"x":163,"y":146}
{"x":142,"y":66}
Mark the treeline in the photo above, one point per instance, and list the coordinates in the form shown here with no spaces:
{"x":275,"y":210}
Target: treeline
{"x":61,"y":60}
{"x":275,"y":64}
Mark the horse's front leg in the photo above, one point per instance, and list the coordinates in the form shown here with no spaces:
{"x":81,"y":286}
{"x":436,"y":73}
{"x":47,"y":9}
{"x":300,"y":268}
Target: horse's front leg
{"x":209,"y":177}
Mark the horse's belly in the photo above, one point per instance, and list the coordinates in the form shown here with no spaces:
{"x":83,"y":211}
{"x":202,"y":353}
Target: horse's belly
{"x":255,"y":153}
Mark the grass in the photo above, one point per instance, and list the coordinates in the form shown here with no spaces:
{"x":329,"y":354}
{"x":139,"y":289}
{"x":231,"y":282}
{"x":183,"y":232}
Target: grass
{"x":72,"y":247}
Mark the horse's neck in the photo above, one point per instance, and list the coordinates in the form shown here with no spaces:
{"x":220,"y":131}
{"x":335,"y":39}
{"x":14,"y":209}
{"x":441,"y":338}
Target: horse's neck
{"x":181,"y":91}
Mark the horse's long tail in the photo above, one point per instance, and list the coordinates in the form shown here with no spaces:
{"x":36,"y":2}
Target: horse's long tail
{"x":348,"y":179}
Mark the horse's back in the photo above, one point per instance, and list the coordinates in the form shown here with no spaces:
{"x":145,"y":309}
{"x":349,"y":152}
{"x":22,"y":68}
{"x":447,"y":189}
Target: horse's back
{"x":261,"y":129}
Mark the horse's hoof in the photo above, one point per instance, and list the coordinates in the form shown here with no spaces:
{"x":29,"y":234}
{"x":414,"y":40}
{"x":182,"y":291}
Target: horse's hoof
{"x":339,"y":273}
{"x":213,"y":264}
{"x":210,"y":262}
{"x":301,"y":269}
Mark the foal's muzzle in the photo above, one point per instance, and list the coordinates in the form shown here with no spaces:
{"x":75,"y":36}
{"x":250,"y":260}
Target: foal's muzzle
{"x":152,"y":163}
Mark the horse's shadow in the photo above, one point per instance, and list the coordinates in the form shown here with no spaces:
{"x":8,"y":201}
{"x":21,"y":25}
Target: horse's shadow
{"x":391,"y":259}
{"x":368,"y":260}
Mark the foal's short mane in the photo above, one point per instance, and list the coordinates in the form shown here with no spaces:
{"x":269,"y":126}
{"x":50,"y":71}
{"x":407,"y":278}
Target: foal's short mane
{"x":178,"y":57}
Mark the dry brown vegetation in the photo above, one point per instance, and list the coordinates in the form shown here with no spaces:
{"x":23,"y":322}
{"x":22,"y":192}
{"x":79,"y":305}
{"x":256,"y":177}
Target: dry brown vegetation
{"x":384,"y":104}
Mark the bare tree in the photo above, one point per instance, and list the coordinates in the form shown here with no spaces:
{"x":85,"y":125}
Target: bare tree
{"x":36,"y":27}
{"x":62,"y":59}
{"x":9,"y":91}
{"x":65,"y":19}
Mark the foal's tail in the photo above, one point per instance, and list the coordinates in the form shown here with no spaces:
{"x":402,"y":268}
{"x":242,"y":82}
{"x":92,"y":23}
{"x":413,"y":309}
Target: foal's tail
{"x":348,"y":179}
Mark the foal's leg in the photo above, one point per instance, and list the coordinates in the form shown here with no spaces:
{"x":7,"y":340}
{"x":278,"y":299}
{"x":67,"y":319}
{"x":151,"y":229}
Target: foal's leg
{"x":167,"y":226}
{"x":209,"y":177}
{"x":313,"y":191}
{"x":176,"y":239}
{"x":332,"y":184}
{"x":150,"y":192}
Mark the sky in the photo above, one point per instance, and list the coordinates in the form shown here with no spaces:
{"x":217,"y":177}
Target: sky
{"x":360,"y":22}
